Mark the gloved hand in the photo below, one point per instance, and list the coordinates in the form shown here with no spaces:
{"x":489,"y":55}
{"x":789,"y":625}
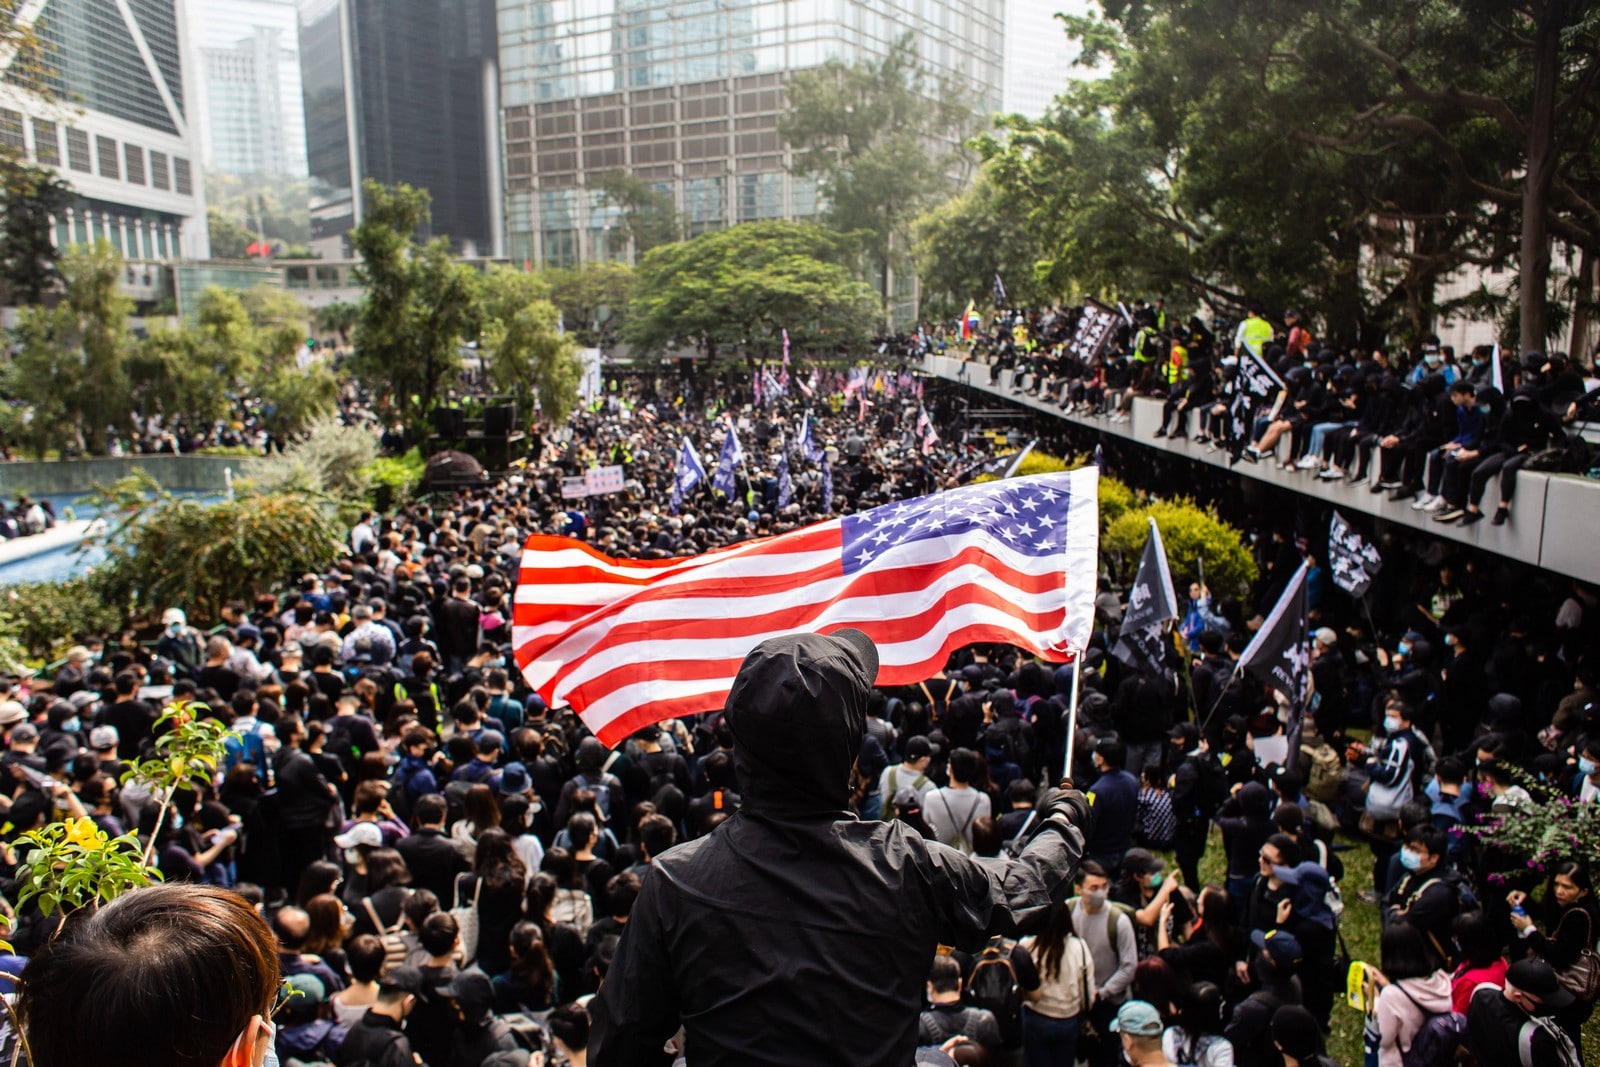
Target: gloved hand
{"x":1069,"y":806}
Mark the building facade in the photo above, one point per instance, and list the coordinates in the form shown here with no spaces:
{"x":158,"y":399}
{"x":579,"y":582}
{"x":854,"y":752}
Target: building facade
{"x":250,"y":62}
{"x":687,"y":95}
{"x":1039,"y":57}
{"x":402,"y":91}
{"x":117,"y":123}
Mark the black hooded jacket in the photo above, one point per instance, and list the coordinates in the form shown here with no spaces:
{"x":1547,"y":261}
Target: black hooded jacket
{"x":795,"y":934}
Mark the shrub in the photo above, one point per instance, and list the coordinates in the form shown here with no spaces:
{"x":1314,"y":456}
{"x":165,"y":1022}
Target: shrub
{"x":330,"y":461}
{"x":44,"y":617}
{"x":394,"y":478}
{"x":1191,"y":534}
{"x":1116,"y":500}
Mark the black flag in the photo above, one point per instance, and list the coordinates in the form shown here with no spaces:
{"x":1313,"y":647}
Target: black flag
{"x":1353,"y":561}
{"x":1151,"y":604}
{"x":1280,"y":654}
{"x":1254,"y":389}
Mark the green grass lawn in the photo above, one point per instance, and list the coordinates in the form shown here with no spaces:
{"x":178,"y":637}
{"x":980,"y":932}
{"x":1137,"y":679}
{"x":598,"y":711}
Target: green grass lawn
{"x":1361,"y":927}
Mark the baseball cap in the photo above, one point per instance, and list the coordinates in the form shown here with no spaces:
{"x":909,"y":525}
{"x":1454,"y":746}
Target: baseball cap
{"x":1535,"y":977}
{"x":918,"y":747}
{"x":404,"y":979}
{"x":12,"y":712}
{"x":1142,"y":861}
{"x":1327,"y":636}
{"x":470,"y":989}
{"x":83,"y":698}
{"x":1282,"y":947}
{"x":103,"y":738}
{"x":25,"y":732}
{"x":173,"y":615}
{"x":1139,"y":1018}
{"x":362,"y":833}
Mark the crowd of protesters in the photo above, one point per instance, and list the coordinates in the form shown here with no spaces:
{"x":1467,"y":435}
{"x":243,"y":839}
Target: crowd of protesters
{"x":446,"y":865}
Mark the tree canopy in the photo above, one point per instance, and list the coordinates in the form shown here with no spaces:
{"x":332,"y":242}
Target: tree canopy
{"x":739,"y":288}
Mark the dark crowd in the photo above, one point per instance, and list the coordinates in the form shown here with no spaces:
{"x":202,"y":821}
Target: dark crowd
{"x":447,"y":869}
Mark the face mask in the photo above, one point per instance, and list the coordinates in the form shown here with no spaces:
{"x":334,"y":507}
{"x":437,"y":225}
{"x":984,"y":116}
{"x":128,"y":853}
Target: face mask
{"x":1587,"y":766}
{"x":1391,"y":724}
{"x":71,"y":726}
{"x":1410,"y":860}
{"x":1097,"y":900}
{"x":271,"y":1059}
{"x":174,"y":629}
{"x":1483,"y":409}
{"x":352,"y":856}
{"x":1155,"y":880}
{"x":1403,"y":649}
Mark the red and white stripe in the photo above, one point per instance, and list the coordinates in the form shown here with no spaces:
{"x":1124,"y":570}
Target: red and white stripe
{"x":627,"y":643}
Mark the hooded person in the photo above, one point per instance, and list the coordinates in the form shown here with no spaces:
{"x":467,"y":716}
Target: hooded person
{"x":794,"y":910}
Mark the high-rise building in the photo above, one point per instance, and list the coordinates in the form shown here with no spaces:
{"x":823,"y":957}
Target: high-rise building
{"x":686,"y":95}
{"x":117,"y":123}
{"x":250,"y":64}
{"x":403,"y":91}
{"x":1038,"y":55}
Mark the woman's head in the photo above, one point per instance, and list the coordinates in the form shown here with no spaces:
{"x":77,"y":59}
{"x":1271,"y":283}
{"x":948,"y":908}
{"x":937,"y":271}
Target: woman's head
{"x":385,"y":868}
{"x":483,"y":812}
{"x":327,"y":923}
{"x":1404,"y":953}
{"x":495,"y":859}
{"x":1202,"y":1009}
{"x":1475,"y":939}
{"x":1570,"y":884}
{"x":319,"y":877}
{"x":164,"y":953}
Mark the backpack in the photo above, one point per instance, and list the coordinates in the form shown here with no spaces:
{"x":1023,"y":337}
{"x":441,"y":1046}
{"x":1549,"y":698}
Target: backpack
{"x":1113,"y":909}
{"x":525,"y":1028}
{"x":574,"y":907}
{"x":1441,"y":1039}
{"x":394,"y":942}
{"x":890,"y":811}
{"x":1326,"y":771}
{"x":1566,"y":1055}
{"x":993,"y":981}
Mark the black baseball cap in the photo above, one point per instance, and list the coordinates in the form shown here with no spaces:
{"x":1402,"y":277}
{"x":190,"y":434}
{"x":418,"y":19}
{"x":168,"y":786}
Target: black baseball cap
{"x":402,"y":979}
{"x":1536,"y":978}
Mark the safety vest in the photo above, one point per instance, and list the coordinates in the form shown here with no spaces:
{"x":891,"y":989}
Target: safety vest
{"x":1257,"y":332}
{"x":1177,"y":365}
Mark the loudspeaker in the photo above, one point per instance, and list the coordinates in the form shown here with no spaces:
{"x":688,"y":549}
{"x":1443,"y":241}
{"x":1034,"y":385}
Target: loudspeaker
{"x":450,"y":422}
{"x":499,"y":421}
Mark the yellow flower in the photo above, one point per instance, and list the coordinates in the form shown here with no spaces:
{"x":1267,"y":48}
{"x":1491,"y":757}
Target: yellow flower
{"x":85,"y":833}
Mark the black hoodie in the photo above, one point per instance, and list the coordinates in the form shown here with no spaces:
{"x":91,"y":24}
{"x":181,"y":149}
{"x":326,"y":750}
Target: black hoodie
{"x":795,"y":934}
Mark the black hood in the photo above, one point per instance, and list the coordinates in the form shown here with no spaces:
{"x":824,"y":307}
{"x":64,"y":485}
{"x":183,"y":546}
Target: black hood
{"x":798,"y":709}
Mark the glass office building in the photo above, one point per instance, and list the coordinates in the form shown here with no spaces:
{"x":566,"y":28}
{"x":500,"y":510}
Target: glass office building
{"x":249,"y":58}
{"x":687,"y":94}
{"x":403,"y":91}
{"x":118,"y":124}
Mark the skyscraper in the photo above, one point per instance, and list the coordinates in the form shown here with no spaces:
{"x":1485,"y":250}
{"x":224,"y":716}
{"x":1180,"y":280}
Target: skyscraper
{"x":403,"y":91}
{"x":1039,"y":57}
{"x":250,"y":64}
{"x":686,"y":95}
{"x":119,"y":128}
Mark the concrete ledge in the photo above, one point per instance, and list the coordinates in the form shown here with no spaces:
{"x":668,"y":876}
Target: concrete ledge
{"x":40,"y":477}
{"x":1554,"y":516}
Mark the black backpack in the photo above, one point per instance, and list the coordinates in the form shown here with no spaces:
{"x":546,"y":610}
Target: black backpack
{"x":993,"y":982}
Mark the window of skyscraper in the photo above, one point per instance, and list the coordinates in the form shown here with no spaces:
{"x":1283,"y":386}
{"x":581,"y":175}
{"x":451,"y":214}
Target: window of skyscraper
{"x":78,"y":150}
{"x":133,"y":158}
{"x":105,"y":149}
{"x":46,"y":143}
{"x":160,"y":176}
{"x":183,"y":180}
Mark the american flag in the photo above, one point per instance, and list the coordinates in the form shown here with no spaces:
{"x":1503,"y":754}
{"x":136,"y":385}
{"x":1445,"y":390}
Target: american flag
{"x":627,"y":643}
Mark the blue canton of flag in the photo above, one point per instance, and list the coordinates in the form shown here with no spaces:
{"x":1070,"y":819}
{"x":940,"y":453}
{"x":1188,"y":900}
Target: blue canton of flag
{"x":690,"y":473}
{"x":732,"y":456}
{"x":1026,"y":519}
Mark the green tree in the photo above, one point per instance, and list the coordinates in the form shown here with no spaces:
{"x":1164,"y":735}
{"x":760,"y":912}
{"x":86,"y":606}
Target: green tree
{"x":593,"y":298}
{"x":738,"y":288}
{"x":964,"y":242}
{"x":229,"y":240}
{"x":528,"y":356}
{"x":69,"y":372}
{"x":29,"y":196}
{"x":193,"y":370}
{"x":338,"y":318}
{"x":418,"y":306}
{"x":647,"y":216}
{"x":883,"y":140}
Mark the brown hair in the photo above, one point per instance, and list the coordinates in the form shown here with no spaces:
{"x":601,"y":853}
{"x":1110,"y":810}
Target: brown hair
{"x":169,"y":976}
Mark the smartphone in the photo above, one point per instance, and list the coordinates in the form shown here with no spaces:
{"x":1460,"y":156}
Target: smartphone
{"x":1182,"y":909}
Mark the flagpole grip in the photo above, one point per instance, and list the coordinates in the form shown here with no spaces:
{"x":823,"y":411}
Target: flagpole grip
{"x":1072,"y":714}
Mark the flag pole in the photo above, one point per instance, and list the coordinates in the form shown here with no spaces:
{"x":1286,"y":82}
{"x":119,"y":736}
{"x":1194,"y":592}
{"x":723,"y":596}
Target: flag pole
{"x":1072,"y":715}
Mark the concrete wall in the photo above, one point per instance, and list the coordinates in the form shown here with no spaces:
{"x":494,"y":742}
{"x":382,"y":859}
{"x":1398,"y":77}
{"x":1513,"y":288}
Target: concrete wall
{"x":200,"y":473}
{"x":1554,"y":516}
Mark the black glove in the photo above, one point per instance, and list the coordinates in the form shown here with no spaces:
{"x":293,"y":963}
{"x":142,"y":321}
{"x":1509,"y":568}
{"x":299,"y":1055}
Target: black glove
{"x":1069,"y":806}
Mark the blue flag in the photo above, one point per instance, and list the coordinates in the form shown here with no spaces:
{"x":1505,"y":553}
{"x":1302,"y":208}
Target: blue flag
{"x":727,"y":464}
{"x":827,"y":485}
{"x":810,"y":451}
{"x":785,"y":486}
{"x":690,"y":473}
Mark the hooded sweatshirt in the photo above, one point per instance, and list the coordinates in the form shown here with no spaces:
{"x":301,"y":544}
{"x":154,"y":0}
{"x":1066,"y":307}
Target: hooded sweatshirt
{"x":793,"y":911}
{"x":1402,"y":1009}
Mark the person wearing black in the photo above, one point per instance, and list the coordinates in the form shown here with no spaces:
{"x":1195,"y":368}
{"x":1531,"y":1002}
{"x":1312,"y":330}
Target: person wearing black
{"x":133,"y":718}
{"x":1196,"y":789}
{"x":1274,"y":968}
{"x":428,"y":851}
{"x":379,"y":1038}
{"x":1501,"y":1021}
{"x":477,"y":1034}
{"x":790,"y":877}
{"x":300,"y":807}
{"x":456,"y":625}
{"x":1245,"y":825}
